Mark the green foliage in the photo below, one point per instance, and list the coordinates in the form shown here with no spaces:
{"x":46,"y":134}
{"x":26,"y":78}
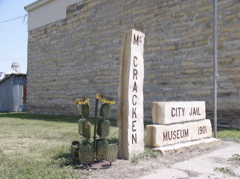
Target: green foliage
{"x":235,"y":157}
{"x":229,"y":135}
{"x":225,"y":170}
{"x":148,"y":153}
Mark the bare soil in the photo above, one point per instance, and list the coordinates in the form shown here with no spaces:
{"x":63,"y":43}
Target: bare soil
{"x":147,"y":166}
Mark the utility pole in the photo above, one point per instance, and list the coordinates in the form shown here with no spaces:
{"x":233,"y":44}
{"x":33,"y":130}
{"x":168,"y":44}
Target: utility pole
{"x":215,"y":76}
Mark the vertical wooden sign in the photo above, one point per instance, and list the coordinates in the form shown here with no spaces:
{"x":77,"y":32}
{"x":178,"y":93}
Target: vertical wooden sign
{"x":130,"y":110}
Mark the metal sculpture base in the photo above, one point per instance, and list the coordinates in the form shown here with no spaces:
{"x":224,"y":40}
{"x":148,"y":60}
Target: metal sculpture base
{"x":101,"y":165}
{"x":95,"y":165}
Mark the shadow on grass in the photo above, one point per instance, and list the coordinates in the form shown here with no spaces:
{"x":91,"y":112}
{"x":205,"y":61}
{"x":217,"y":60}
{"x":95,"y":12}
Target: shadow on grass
{"x":42,"y":117}
{"x":112,"y":140}
{"x":64,"y":160}
{"x":227,"y":129}
{"x":58,"y":118}
{"x":54,"y":118}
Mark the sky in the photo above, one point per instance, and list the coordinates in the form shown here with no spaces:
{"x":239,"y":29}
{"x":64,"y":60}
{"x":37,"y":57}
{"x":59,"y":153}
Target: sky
{"x":13,"y":34}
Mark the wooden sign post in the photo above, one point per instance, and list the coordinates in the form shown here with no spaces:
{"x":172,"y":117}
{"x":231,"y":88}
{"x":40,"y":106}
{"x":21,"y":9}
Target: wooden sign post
{"x":130,"y":110}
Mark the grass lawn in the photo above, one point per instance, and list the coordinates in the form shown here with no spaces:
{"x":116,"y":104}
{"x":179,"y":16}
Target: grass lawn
{"x":229,"y":135}
{"x":38,"y":146}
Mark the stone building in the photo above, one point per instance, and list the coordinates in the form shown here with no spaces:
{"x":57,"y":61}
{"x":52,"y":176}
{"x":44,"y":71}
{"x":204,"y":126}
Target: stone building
{"x":74,"y":49}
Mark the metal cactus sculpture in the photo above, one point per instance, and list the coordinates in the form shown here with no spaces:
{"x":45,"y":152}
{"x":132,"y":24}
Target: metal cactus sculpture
{"x":85,"y":152}
{"x":102,"y":150}
{"x":98,"y":150}
{"x":84,"y":128}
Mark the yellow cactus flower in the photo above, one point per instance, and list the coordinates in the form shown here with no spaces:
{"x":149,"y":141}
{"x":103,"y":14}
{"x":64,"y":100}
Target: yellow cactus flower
{"x":81,"y":101}
{"x":99,"y":97}
{"x":110,"y":101}
{"x":104,"y":99}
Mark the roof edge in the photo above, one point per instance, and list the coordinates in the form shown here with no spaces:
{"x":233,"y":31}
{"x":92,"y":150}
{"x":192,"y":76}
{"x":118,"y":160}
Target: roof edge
{"x":36,"y":4}
{"x":13,"y":74}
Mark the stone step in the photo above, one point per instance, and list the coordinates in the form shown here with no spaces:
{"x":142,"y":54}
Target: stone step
{"x":191,"y":145}
{"x":161,"y":135}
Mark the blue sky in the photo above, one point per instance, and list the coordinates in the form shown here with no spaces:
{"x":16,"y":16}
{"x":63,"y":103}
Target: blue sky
{"x":13,"y":38}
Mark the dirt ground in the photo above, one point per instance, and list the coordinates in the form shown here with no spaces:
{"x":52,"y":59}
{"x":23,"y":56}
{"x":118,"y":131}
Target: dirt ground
{"x":172,"y":165}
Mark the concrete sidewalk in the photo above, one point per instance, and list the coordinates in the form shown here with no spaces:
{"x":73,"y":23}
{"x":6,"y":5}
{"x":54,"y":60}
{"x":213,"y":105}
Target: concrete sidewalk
{"x":213,"y":165}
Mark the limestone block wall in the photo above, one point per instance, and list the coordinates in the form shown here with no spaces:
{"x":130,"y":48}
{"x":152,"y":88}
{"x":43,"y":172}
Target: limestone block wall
{"x":80,"y":55}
